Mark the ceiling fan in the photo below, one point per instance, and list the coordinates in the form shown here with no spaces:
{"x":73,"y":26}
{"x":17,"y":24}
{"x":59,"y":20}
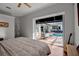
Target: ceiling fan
{"x":19,"y":5}
{"x":26,"y":4}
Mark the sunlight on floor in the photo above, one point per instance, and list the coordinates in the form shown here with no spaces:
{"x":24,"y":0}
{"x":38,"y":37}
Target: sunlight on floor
{"x":56,"y":51}
{"x":55,"y":44}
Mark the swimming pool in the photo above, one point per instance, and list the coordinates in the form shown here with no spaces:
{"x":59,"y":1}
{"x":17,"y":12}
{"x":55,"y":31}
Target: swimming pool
{"x":56,"y":34}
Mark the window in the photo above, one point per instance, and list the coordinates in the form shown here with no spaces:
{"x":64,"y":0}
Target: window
{"x":50,"y":19}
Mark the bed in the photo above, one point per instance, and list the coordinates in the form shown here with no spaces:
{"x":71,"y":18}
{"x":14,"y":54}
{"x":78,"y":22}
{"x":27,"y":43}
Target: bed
{"x":23,"y":47}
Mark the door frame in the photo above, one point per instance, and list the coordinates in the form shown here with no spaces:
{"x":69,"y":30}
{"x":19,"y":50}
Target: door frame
{"x":51,"y":15}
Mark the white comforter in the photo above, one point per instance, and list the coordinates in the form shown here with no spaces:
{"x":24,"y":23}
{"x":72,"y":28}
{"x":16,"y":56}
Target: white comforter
{"x":23,"y":47}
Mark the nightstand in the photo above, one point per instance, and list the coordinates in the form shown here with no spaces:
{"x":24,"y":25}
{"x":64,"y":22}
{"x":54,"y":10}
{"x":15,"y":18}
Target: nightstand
{"x":1,"y":39}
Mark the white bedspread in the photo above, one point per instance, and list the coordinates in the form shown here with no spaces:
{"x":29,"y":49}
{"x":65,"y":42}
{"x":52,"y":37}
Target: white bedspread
{"x":23,"y":47}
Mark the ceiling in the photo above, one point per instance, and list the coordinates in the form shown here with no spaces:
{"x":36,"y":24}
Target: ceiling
{"x":23,"y":10}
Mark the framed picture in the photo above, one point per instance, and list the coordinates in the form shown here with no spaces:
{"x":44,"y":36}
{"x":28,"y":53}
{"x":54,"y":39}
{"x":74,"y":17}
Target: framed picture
{"x":4,"y":24}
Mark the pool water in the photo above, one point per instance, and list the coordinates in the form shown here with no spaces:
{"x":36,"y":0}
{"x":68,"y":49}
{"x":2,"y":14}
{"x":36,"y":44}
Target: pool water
{"x":56,"y":34}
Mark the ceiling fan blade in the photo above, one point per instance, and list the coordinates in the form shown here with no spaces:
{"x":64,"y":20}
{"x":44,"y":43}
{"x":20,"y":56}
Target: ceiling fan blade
{"x":28,"y":5}
{"x":19,"y":4}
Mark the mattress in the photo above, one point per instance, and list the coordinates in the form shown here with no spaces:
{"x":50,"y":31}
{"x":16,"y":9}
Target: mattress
{"x":23,"y":47}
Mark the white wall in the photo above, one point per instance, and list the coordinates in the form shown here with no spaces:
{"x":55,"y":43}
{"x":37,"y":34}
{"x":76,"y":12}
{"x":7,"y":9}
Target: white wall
{"x":76,"y":26}
{"x":9,"y":31}
{"x":27,"y":20}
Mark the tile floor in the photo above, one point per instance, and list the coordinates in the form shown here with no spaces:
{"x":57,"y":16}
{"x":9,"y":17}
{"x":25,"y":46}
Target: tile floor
{"x":55,"y":45}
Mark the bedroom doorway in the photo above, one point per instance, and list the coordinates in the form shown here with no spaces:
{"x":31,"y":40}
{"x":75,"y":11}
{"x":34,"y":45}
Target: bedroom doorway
{"x":49,"y":28}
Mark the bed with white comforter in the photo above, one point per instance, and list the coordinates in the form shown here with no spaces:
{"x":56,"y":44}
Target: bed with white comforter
{"x":23,"y":47}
